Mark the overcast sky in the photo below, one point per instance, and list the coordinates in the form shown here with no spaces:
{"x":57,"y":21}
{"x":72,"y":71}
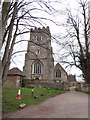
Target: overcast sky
{"x":18,"y":59}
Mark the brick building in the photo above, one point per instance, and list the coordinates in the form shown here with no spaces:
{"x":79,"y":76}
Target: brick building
{"x":14,"y":77}
{"x":72,"y":80}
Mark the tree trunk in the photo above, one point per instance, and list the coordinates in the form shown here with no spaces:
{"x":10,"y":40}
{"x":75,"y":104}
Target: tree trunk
{"x":7,"y":53}
{"x":86,"y":70}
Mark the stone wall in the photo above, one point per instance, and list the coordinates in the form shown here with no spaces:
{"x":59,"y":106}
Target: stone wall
{"x":46,"y":84}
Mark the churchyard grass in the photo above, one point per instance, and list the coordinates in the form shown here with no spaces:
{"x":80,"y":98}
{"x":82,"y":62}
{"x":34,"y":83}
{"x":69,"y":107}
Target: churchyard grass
{"x":88,"y":92}
{"x":9,"y":102}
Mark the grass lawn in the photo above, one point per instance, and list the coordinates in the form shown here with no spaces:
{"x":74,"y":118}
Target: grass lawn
{"x":88,"y":92}
{"x":9,"y":103}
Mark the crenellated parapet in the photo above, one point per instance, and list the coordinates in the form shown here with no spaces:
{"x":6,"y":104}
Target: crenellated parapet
{"x":41,"y":30}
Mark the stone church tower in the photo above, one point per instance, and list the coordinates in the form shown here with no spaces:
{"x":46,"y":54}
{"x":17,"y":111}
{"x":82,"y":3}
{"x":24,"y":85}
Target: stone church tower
{"x":39,"y":61}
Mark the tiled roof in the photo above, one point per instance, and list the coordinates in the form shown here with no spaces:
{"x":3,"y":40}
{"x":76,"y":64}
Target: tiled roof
{"x":15,"y":71}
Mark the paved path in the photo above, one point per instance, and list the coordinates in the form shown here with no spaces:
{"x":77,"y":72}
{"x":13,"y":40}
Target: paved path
{"x":71,"y":104}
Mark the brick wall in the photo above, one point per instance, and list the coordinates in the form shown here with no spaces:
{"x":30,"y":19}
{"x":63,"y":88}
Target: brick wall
{"x":11,"y":81}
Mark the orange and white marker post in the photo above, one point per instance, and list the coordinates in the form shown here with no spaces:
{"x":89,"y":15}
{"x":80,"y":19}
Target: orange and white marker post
{"x":18,"y":96}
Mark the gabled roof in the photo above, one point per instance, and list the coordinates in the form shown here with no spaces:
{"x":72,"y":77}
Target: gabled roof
{"x":58,"y":66}
{"x":15,"y":71}
{"x":71,"y":78}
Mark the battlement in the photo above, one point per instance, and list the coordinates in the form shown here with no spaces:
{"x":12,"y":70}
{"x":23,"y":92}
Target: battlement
{"x":40,"y":30}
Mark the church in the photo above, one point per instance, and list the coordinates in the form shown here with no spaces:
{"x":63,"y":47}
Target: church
{"x":39,"y":61}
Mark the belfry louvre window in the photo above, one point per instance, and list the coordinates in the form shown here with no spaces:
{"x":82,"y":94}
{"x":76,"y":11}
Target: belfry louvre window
{"x":37,"y":52}
{"x":37,"y":68}
{"x":58,"y":73}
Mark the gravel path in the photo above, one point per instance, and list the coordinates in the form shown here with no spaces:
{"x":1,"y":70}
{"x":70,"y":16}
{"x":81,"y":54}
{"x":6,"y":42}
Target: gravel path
{"x":71,"y":104}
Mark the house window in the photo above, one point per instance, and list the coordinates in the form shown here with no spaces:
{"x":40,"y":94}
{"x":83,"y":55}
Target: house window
{"x":58,"y":73}
{"x":37,"y":68}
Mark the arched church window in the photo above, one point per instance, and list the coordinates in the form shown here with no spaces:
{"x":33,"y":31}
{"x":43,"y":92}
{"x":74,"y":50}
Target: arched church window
{"x":37,"y":68}
{"x":36,"y":38}
{"x":37,"y":52}
{"x":58,"y":73}
{"x":39,"y":38}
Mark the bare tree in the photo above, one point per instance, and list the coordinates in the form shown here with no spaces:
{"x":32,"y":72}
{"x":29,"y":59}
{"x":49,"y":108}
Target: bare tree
{"x":76,"y":40}
{"x":19,"y":17}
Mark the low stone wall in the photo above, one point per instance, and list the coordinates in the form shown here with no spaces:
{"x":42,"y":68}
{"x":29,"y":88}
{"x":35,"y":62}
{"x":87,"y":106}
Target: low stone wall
{"x":83,"y":87}
{"x":47,"y":84}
